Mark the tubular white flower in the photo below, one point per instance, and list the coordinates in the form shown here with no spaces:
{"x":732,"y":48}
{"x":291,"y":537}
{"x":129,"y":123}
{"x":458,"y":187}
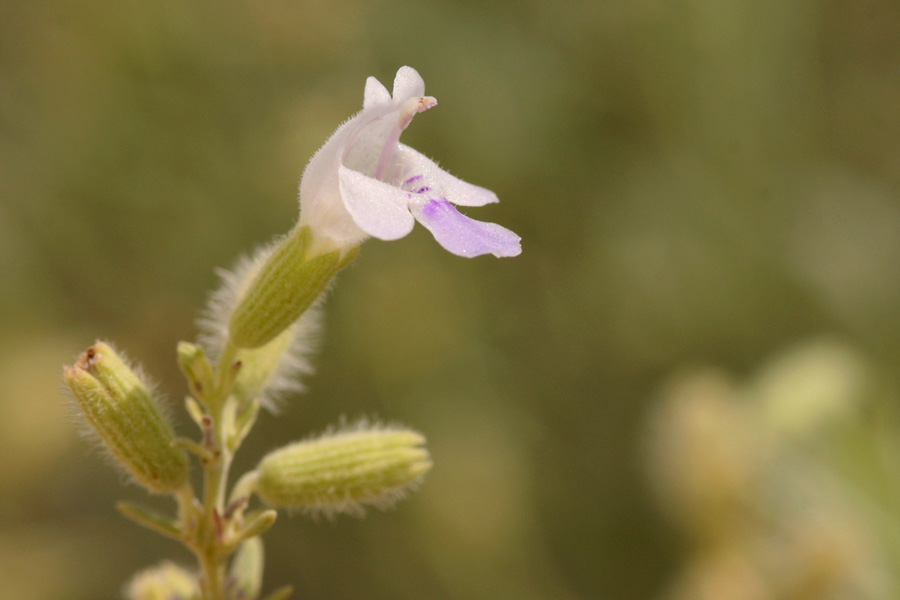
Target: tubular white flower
{"x":363,"y":182}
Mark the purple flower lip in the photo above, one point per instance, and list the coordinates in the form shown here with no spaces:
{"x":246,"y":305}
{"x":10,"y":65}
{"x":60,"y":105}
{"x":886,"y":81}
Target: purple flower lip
{"x":463,"y":236}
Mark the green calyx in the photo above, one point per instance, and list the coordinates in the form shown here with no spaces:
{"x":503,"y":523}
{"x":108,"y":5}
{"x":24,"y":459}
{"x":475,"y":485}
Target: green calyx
{"x":342,"y":471}
{"x":258,"y":365}
{"x":286,"y":285}
{"x":121,"y":410}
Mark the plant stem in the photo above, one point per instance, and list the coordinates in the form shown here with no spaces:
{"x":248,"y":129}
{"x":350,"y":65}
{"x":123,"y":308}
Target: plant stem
{"x":209,"y":539}
{"x":212,"y":580}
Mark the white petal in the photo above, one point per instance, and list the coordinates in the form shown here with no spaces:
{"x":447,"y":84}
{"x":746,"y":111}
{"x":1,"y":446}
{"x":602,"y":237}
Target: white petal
{"x":408,"y":83}
{"x":442,"y":183}
{"x":379,"y":209}
{"x":463,"y":236}
{"x":376,"y":93}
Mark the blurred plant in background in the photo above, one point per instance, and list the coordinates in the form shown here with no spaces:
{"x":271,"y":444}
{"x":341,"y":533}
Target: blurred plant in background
{"x":786,"y":486}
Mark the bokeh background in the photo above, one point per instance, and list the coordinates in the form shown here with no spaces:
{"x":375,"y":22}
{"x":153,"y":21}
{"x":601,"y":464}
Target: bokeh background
{"x":696,"y":182}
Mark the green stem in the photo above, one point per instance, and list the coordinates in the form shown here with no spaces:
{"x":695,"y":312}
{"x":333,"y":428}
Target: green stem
{"x":212,"y":582}
{"x":209,"y":546}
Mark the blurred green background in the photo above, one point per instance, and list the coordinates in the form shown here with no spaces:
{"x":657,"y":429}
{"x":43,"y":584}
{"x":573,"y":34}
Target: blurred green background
{"x":695,"y":182}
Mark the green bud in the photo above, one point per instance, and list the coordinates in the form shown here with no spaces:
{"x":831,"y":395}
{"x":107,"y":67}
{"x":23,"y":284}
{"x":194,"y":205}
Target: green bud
{"x":287,"y":284}
{"x":195,"y":366}
{"x":119,"y":406}
{"x":246,"y":573}
{"x":165,"y":581}
{"x":340,"y":472}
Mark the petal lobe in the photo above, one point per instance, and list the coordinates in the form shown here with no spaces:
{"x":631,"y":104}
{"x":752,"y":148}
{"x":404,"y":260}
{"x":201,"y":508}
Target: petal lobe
{"x":407,"y":84}
{"x":375,"y":93}
{"x":452,"y":188}
{"x":379,"y":209}
{"x":463,"y":236}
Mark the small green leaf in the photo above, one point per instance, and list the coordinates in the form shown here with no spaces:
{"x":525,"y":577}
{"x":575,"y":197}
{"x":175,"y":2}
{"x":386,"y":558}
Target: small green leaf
{"x":257,"y":524}
{"x":282,"y":593}
{"x":193,"y":447}
{"x":150,"y":519}
{"x":194,"y":409}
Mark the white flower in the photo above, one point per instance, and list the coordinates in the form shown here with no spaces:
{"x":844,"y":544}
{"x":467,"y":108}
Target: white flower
{"x":363,"y":182}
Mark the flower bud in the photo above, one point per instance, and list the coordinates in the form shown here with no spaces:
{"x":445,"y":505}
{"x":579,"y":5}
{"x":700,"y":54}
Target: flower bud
{"x":166,"y":581}
{"x":287,"y":284}
{"x":270,"y":372}
{"x":246,"y":573}
{"x":119,"y":406}
{"x":193,"y":363}
{"x":340,"y":472}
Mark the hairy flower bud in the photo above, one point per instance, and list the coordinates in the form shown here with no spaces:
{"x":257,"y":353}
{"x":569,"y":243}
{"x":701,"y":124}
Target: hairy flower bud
{"x":275,"y":370}
{"x":121,"y":410}
{"x":287,"y":284}
{"x":166,"y":581}
{"x":339,"y":472}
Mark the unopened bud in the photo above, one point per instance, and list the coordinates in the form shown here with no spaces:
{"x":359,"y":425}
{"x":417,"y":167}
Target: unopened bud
{"x":274,"y":370}
{"x":195,"y":366}
{"x":246,"y":573}
{"x":119,"y":406}
{"x":166,"y":581}
{"x":342,"y":471}
{"x":287,"y":284}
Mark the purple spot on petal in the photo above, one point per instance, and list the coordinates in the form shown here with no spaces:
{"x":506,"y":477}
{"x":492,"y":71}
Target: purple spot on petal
{"x":423,"y":189}
{"x":412,"y":179}
{"x":432,"y":208}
